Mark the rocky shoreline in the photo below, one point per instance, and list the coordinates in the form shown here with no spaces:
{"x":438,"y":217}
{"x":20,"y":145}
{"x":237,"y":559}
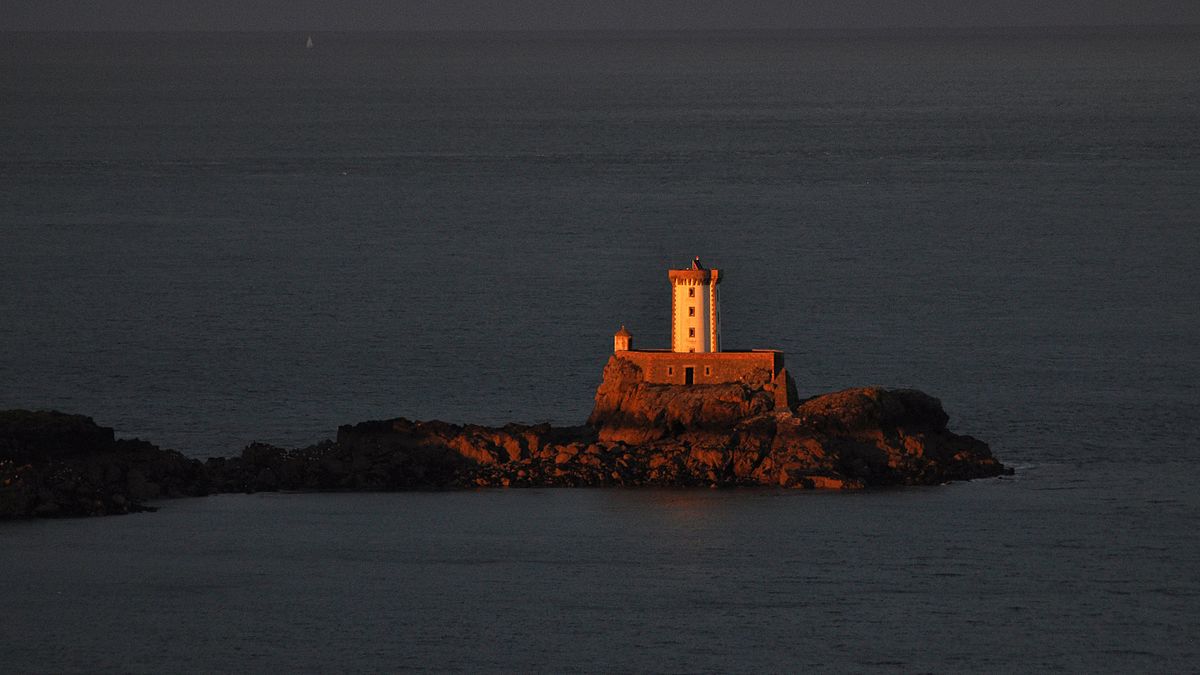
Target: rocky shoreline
{"x":55,"y":464}
{"x":722,"y":435}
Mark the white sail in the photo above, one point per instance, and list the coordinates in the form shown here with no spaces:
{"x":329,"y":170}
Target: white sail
{"x":309,"y":43}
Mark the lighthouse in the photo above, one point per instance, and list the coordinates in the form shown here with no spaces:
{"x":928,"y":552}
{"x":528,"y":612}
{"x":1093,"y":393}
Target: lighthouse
{"x":695,"y":356}
{"x":695,"y":309}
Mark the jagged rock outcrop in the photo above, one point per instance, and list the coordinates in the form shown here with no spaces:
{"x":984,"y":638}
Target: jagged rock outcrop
{"x":55,"y":464}
{"x":637,"y":435}
{"x":632,"y":411}
{"x":848,"y":439}
{"x":646,"y":434}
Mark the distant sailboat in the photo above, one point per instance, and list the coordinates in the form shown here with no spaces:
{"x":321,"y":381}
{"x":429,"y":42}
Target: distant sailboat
{"x":308,"y":44}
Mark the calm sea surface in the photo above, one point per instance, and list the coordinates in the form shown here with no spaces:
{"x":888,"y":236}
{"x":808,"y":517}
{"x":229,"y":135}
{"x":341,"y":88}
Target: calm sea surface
{"x":210,"y":239}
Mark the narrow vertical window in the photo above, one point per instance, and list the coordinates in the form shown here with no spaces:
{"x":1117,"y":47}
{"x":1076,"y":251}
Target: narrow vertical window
{"x":691,"y":292}
{"x":691,"y":311}
{"x":691,"y":332}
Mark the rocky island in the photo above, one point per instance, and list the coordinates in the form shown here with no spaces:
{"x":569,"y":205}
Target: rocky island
{"x":690,"y":416}
{"x":721,"y":435}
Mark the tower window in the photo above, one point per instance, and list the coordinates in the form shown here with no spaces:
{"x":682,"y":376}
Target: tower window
{"x":707,"y":370}
{"x":691,"y":332}
{"x":691,"y":311}
{"x":691,"y":292}
{"x":670,"y":370}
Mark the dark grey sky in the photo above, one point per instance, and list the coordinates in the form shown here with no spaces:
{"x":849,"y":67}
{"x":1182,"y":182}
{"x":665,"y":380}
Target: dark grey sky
{"x":316,"y":15}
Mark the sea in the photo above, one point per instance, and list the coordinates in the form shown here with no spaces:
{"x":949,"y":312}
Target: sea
{"x":209,"y":239}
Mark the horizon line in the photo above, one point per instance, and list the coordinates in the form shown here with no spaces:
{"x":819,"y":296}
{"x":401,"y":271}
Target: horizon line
{"x":692,"y":29}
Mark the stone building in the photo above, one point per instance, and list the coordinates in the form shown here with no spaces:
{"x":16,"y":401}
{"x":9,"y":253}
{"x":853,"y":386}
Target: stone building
{"x":696,"y":356}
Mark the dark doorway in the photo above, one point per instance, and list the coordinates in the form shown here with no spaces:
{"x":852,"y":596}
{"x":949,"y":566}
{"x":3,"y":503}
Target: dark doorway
{"x":689,"y":375}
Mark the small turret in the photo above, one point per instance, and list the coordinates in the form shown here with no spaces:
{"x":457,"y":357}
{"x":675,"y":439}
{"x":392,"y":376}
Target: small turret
{"x":622,"y":340}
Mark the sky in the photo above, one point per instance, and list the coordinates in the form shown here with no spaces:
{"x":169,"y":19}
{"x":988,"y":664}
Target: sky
{"x":332,"y":15}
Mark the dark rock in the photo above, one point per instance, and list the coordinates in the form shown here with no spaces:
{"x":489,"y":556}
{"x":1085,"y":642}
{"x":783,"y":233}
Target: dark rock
{"x":28,"y":437}
{"x":54,"y":464}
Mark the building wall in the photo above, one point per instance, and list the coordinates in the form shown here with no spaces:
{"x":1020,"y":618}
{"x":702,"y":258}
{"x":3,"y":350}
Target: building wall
{"x":689,"y":316}
{"x":714,"y":316}
{"x":669,"y":367}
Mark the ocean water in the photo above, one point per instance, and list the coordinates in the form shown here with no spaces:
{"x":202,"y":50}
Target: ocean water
{"x":210,"y":239}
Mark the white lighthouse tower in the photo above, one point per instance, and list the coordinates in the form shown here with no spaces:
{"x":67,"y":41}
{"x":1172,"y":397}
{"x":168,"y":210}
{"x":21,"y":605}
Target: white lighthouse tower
{"x":695,"y":309}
